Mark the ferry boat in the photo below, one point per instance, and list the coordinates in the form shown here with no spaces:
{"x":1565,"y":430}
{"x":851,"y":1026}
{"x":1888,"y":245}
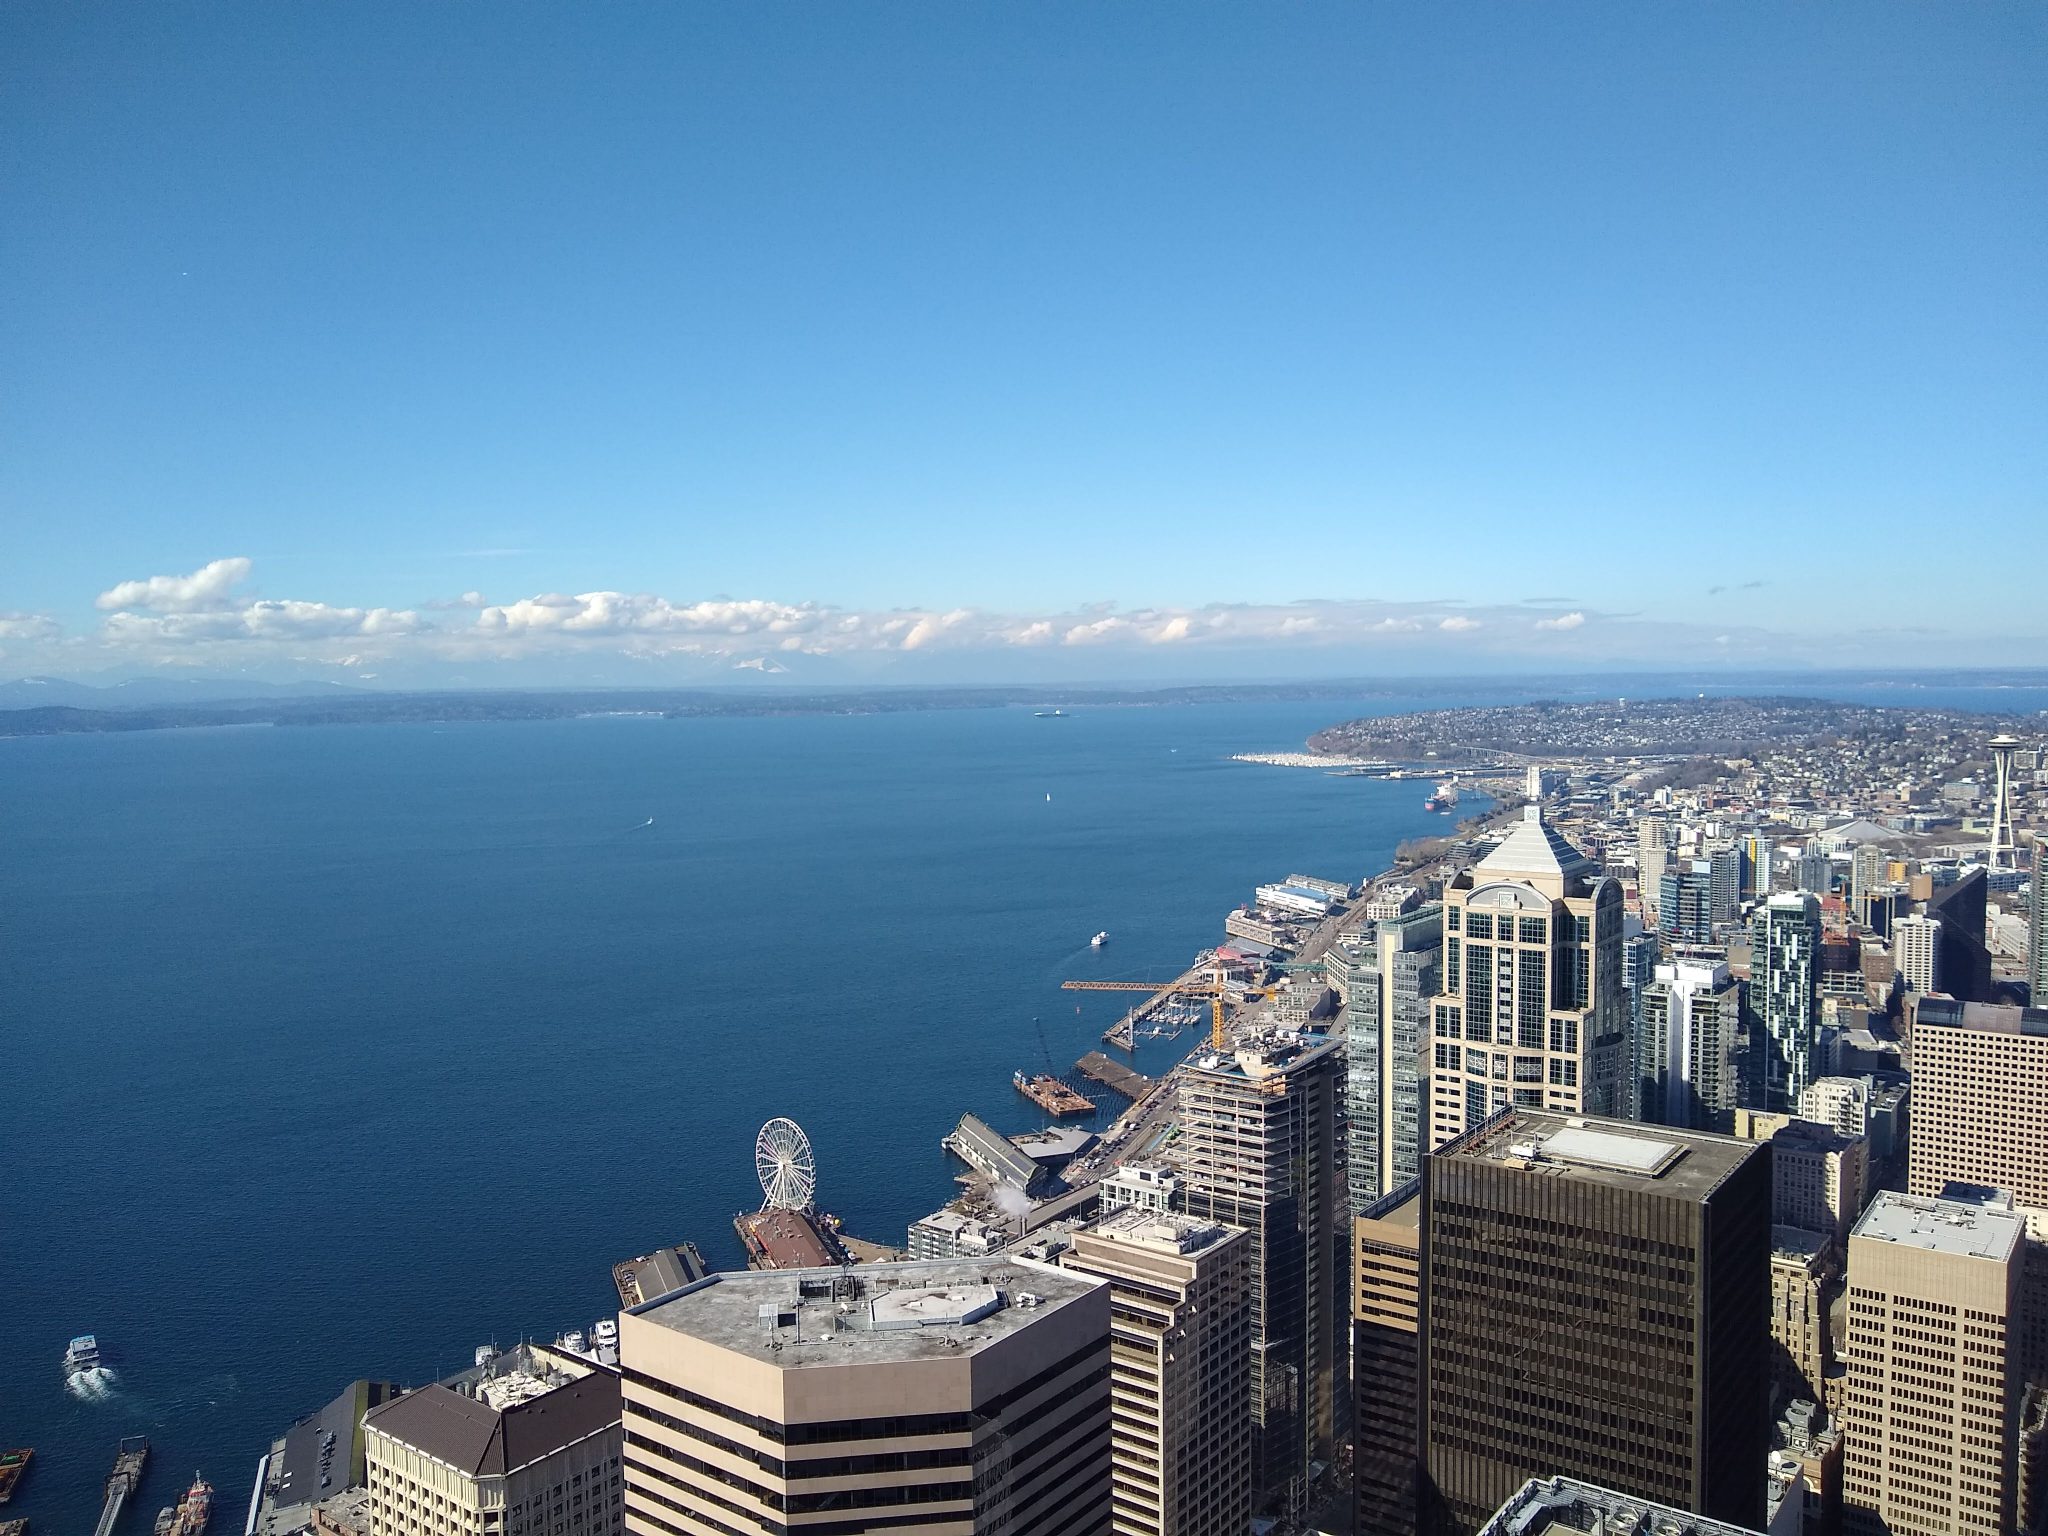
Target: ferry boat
{"x":1099,"y":940}
{"x":81,"y":1354}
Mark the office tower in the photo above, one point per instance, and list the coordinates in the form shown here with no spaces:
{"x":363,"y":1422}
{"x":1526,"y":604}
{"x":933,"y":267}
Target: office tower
{"x":1258,"y":1139}
{"x":2037,"y":921}
{"x":1640,"y":952}
{"x":1724,"y":882}
{"x":1567,"y":1506}
{"x":1803,"y":1286}
{"x":1933,"y":1286}
{"x":1816,"y":871}
{"x":964,"y":1395}
{"x":1965,"y":964}
{"x":1180,"y":1371}
{"x":1532,"y":1011}
{"x":1652,"y":860}
{"x":1393,"y":975}
{"x":1756,"y":864}
{"x":1980,"y":1099}
{"x":525,"y":1443}
{"x":1784,"y":1000}
{"x":1595,"y":1302}
{"x":1688,"y":1047}
{"x":1916,"y":951}
{"x":2000,"y":854}
{"x":1386,"y":1322}
{"x":1685,"y":901}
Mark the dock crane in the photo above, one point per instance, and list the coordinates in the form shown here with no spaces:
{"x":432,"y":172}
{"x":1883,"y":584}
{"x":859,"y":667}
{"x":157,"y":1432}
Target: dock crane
{"x":1212,"y":988}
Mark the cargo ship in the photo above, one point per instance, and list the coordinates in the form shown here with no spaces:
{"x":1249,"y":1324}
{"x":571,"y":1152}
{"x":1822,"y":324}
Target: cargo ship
{"x":1052,"y":1095}
{"x":13,"y":1465}
{"x":189,"y":1516}
{"x":1444,"y":799}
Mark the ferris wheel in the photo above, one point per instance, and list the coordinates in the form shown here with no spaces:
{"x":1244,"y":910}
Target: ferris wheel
{"x":789,"y":1174}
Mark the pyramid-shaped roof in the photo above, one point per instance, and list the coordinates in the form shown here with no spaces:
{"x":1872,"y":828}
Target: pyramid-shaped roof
{"x":1534,"y":847}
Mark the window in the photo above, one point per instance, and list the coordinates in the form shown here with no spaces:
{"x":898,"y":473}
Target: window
{"x":1479,"y":925}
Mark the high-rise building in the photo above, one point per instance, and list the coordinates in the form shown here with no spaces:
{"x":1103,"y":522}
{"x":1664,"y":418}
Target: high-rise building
{"x":1386,"y":1325}
{"x":1259,"y":1147}
{"x":1533,"y":1011}
{"x":1866,"y":874}
{"x":1980,"y":1099}
{"x":1567,"y":1506}
{"x":525,"y":1443}
{"x":1820,"y":1178}
{"x":1724,"y":879}
{"x":1933,"y":1290}
{"x":1756,"y":865}
{"x":1965,"y":963}
{"x":957,"y":1395}
{"x":1685,"y":901}
{"x":1804,"y":1275}
{"x":1784,"y":1001}
{"x":1393,"y":973}
{"x":1816,"y":870}
{"x":2037,"y":932}
{"x":1688,"y":1046}
{"x":1641,"y":949}
{"x":1180,"y":1371}
{"x":1916,"y":951}
{"x":1595,"y":1302}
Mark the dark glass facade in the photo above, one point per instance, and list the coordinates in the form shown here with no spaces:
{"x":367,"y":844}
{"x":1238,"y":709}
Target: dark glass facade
{"x":1602,"y":1325}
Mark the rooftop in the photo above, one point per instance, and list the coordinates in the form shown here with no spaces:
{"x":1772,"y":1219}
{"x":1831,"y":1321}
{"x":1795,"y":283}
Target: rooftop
{"x":1986,"y":1018}
{"x":1273,"y":1054}
{"x":539,"y":1409}
{"x":1161,"y":1231}
{"x":923,"y":1310}
{"x":1534,"y":847}
{"x":1687,"y":1165}
{"x":1958,"y":1227}
{"x":1564,"y":1506}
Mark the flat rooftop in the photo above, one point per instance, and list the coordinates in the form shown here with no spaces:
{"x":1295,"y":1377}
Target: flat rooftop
{"x":1942,"y":1226}
{"x":923,"y":1310}
{"x":1161,"y":1231}
{"x":1564,"y":1506}
{"x":1687,"y":1165}
{"x":1985,"y":1018}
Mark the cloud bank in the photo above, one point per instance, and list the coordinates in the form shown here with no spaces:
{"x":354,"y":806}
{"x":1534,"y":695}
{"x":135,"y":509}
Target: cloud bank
{"x":208,"y":618}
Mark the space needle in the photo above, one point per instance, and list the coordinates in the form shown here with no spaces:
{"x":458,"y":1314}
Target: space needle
{"x":2001,"y":854}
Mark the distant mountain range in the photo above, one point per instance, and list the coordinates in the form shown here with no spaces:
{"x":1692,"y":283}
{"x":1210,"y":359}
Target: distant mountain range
{"x":155,"y":692}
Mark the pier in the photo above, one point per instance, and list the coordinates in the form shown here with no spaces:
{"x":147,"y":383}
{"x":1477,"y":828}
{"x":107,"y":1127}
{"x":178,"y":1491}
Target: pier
{"x":1114,"y":1076}
{"x":122,"y":1481}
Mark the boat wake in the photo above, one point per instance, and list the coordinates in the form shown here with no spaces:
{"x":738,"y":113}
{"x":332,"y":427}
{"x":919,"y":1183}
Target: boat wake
{"x":91,"y":1386}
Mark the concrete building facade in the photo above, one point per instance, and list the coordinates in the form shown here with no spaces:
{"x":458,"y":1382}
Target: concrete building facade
{"x":1933,"y":1286}
{"x":953,"y":1396}
{"x":526,"y":1443}
{"x":1180,"y":1371}
{"x":1980,"y":1100}
{"x":1688,"y":1046}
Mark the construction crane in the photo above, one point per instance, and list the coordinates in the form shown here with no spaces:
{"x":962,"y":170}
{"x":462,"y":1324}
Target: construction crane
{"x":1213,"y":989}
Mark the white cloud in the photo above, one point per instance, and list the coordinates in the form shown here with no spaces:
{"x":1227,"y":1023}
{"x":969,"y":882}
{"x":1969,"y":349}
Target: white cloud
{"x":1458,"y":624}
{"x":28,"y":626}
{"x":1562,"y":621}
{"x":1173,"y":630}
{"x":268,"y":620}
{"x":205,"y":588}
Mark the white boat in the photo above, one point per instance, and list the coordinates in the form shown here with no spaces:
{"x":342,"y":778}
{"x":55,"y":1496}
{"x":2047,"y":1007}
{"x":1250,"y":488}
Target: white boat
{"x":81,"y":1354}
{"x":1099,"y":940}
{"x":605,"y":1332}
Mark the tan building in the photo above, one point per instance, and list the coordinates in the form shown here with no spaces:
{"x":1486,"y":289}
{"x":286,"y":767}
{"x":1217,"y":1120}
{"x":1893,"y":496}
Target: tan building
{"x":1803,"y":1284}
{"x":527,"y":1443}
{"x":1820,"y":1177}
{"x":1180,"y":1371}
{"x":1933,"y":1286}
{"x":1386,"y":1326}
{"x":1980,"y":1101}
{"x":1533,"y":1011}
{"x":945,"y":1398}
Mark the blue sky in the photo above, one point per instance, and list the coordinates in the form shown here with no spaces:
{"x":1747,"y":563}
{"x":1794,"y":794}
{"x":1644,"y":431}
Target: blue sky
{"x":500,"y":343}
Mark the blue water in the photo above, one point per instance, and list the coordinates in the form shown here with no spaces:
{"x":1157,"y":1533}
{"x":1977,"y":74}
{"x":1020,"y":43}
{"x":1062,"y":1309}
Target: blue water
{"x":338,"y":1051}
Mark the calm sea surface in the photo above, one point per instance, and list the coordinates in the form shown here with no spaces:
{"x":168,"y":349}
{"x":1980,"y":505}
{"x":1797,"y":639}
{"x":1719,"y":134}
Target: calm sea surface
{"x":336,"y":1052}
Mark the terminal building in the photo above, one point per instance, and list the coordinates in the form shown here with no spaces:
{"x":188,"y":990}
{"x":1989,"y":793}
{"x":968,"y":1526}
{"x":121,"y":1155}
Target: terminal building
{"x":964,"y":1397}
